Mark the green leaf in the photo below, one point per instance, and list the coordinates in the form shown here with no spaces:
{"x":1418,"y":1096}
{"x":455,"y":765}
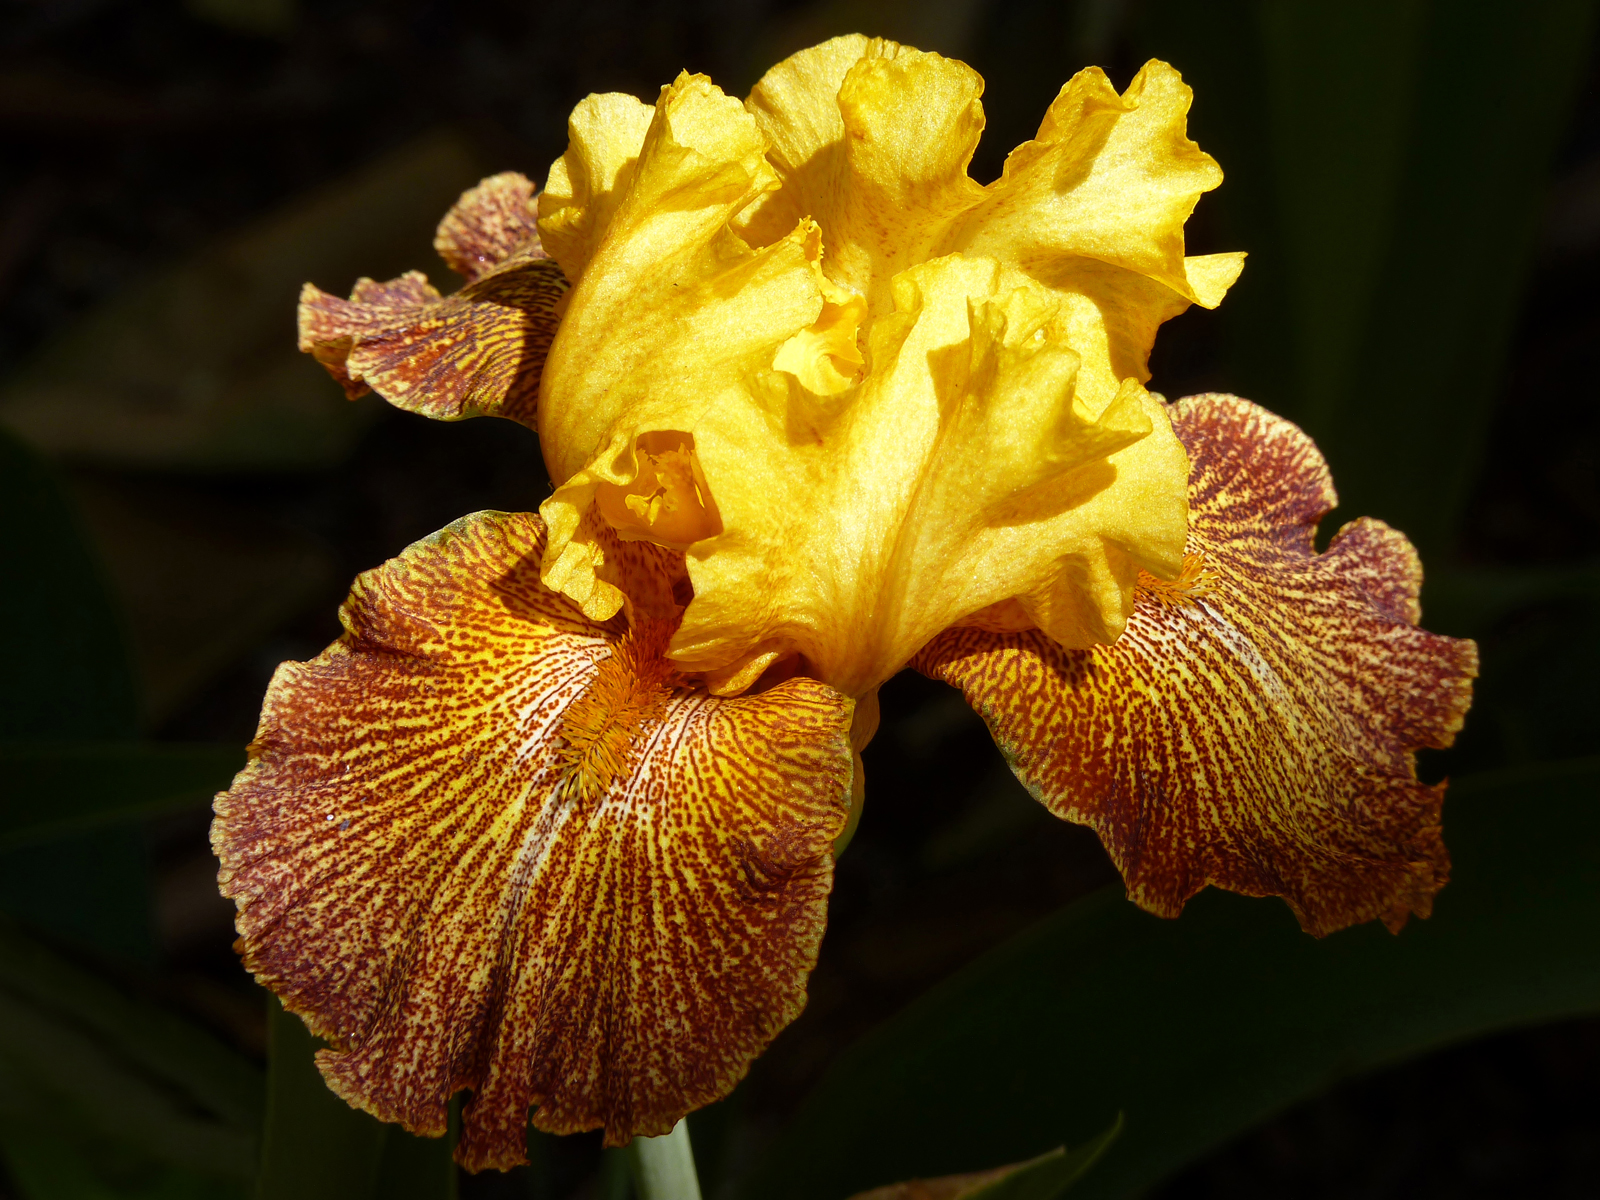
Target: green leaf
{"x":67,"y":671}
{"x":1050,"y":1175}
{"x":1338,"y":141}
{"x":317,"y":1146}
{"x":67,"y":674}
{"x":1201,"y":1027}
{"x":1046,"y":1177}
{"x":416,"y":1168}
{"x":86,"y":1057}
{"x":1495,"y":84}
{"x":50,"y":791}
{"x":47,"y":1162}
{"x":1470,"y":601}
{"x":152,"y":1039}
{"x":1385,"y":168}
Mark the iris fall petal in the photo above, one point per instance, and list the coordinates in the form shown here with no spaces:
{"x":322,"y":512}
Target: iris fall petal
{"x":486,"y":843}
{"x":1255,"y":726}
{"x":478,"y":352}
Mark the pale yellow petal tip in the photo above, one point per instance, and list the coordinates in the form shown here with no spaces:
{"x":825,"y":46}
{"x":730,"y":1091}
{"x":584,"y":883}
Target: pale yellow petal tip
{"x":1211,"y":275}
{"x":604,"y":137}
{"x":698,"y":139}
{"x":696,"y":115}
{"x":825,"y":357}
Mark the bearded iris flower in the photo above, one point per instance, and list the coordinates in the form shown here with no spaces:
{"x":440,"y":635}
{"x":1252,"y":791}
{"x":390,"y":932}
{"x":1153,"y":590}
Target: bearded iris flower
{"x":554,"y":821}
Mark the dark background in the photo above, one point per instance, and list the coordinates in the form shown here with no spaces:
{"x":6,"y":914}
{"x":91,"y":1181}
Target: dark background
{"x":172,"y":172}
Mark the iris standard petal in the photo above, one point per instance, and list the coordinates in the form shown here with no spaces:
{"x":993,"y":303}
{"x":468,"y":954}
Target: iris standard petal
{"x":962,"y":473}
{"x":872,"y":140}
{"x":900,"y":126}
{"x":672,"y":316}
{"x":486,"y":843}
{"x":604,"y":136}
{"x":478,"y":352}
{"x":768,"y":358}
{"x":1109,"y":177}
{"x":1255,"y":726}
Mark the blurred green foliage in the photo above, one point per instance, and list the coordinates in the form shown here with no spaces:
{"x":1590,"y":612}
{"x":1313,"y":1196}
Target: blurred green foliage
{"x":318,"y":1146}
{"x":105,"y":1094}
{"x":67,"y":676}
{"x":1386,"y":165}
{"x":1199,"y":1027}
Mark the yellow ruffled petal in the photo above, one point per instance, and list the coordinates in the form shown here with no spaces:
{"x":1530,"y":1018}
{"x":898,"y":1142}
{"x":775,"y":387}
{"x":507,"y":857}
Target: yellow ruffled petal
{"x":872,"y":140}
{"x":892,"y":175}
{"x":869,"y":398}
{"x":604,"y":136}
{"x":963,"y":473}
{"x":1108,"y":177}
{"x":675,"y":315}
{"x":826,"y":356}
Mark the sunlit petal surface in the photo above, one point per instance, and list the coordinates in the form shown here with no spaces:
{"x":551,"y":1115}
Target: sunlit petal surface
{"x":1254,"y":727}
{"x":478,"y":352}
{"x":866,"y":395}
{"x":486,"y":843}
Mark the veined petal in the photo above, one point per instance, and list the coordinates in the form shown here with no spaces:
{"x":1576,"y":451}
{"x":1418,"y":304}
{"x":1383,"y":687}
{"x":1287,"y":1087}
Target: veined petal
{"x":493,"y":222}
{"x":478,"y":352}
{"x":1255,"y":726}
{"x":485,"y":843}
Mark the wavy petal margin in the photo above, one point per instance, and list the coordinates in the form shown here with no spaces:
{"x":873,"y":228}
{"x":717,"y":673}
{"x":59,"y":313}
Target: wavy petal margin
{"x":479,"y":352}
{"x":485,"y":843}
{"x":1254,"y":727}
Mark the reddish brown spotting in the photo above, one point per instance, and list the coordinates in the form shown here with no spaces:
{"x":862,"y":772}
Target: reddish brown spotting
{"x":478,"y":352}
{"x":486,"y":843}
{"x":1255,"y":726}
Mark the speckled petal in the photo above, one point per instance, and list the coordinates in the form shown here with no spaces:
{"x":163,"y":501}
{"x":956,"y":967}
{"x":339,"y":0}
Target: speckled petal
{"x":478,"y":352}
{"x":485,"y":843}
{"x":491,"y":223}
{"x":1255,"y":726}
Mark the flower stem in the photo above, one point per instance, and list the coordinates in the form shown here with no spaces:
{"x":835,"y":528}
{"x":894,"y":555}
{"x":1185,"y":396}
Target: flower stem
{"x":663,"y":1167}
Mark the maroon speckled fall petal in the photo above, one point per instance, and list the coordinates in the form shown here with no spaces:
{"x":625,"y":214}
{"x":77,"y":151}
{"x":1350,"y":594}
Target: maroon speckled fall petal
{"x":1255,"y":726}
{"x":478,"y":352}
{"x":485,"y":843}
{"x":493,"y":222}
